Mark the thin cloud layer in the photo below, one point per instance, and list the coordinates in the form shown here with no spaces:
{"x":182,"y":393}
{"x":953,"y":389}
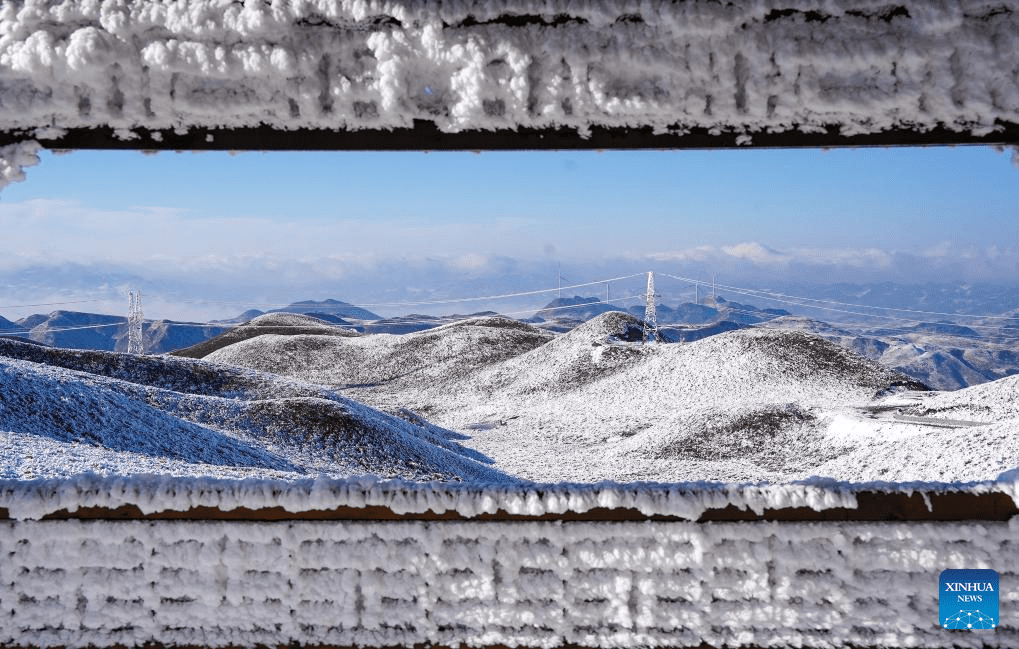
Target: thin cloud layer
{"x":201,"y":268}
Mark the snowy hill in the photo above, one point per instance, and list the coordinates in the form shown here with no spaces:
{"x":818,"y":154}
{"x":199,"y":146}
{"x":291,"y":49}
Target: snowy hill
{"x":979,"y":437}
{"x":593,"y":404}
{"x":64,"y":412}
{"x":283,"y":324}
{"x":426,"y":357}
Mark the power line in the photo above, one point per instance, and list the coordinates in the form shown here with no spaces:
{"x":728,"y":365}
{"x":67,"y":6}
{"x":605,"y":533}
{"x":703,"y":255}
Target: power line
{"x":25,"y":306}
{"x":782,"y":298}
{"x":791,"y":300}
{"x":458,"y":300}
{"x":778,"y":298}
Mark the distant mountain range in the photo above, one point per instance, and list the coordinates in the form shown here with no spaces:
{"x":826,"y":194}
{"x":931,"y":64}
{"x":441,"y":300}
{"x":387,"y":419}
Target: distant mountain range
{"x":74,"y":330}
{"x":97,"y":331}
{"x":943,"y":354}
{"x":582,"y":309}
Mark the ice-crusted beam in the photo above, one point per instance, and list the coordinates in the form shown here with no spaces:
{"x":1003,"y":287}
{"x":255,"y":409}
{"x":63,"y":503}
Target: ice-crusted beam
{"x":721,"y":74}
{"x":167,"y":497}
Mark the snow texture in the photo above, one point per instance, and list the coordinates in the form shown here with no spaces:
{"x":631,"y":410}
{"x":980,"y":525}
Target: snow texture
{"x":14,"y":158}
{"x":756,"y":65}
{"x":218,"y":584}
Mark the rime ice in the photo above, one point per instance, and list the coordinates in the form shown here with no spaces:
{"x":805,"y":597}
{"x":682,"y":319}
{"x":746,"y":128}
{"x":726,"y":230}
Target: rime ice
{"x":858,"y":65}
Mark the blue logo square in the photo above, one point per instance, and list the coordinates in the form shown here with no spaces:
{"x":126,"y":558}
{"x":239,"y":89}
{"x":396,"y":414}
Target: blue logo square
{"x":968,"y":599}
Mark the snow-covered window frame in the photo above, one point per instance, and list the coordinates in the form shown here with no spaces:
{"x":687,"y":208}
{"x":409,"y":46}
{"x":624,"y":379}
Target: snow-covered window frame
{"x":494,"y":74}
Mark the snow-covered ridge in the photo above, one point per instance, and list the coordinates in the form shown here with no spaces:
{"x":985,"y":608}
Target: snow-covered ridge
{"x":34,"y":499}
{"x":744,"y":67}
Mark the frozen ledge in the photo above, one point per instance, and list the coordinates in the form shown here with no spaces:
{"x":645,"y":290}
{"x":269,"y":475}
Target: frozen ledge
{"x":144,"y":496}
{"x":402,"y":73}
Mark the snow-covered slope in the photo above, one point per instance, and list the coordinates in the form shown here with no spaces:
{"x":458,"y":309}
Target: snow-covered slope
{"x":992,"y":401}
{"x":64,"y":412}
{"x":435,"y":357}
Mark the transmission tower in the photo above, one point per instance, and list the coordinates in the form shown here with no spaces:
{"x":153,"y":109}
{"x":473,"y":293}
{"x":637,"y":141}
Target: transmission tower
{"x":650,"y":316}
{"x":135,"y":317}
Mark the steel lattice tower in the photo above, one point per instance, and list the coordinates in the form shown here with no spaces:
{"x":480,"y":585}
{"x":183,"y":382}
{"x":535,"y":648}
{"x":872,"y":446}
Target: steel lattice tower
{"x":135,"y":317}
{"x":650,"y":316}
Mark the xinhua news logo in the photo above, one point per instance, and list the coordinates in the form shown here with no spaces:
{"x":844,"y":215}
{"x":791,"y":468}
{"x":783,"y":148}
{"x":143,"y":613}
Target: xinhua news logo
{"x":968,"y":599}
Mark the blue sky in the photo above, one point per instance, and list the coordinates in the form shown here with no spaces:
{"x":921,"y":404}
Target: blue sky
{"x":274,"y":227}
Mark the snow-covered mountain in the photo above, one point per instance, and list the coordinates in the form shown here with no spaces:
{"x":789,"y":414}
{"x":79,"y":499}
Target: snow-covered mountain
{"x":74,"y":330}
{"x":945,"y":356}
{"x":589,"y":405}
{"x":71,"y":329}
{"x":64,"y":412}
{"x":594,"y":404}
{"x":329,"y":307}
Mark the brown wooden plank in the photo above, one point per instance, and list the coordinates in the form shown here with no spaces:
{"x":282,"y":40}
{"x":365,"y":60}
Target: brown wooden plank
{"x":873,"y":506}
{"x":425,"y":136}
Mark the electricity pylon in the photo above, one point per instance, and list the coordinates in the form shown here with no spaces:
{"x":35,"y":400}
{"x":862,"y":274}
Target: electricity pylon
{"x":135,"y":317}
{"x":650,"y":316}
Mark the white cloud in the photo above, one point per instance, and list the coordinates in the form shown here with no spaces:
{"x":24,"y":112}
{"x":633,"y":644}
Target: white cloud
{"x":756,"y":253}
